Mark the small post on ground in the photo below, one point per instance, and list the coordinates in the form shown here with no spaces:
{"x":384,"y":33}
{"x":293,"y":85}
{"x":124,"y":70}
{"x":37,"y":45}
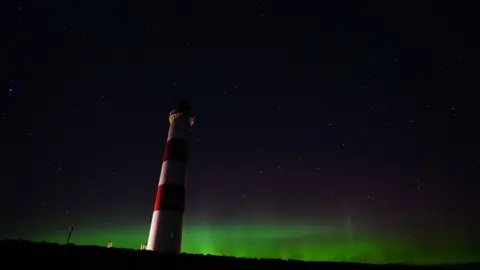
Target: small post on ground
{"x":70,"y":231}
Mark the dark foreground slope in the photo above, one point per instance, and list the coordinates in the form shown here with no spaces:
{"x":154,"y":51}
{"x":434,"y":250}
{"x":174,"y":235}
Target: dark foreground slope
{"x":28,"y":255}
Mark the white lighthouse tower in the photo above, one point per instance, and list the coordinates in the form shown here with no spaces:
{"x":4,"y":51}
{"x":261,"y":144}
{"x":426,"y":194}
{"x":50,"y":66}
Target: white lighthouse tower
{"x":167,"y":221}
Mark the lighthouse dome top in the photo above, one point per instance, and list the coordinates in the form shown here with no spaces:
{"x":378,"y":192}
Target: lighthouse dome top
{"x":183,"y":107}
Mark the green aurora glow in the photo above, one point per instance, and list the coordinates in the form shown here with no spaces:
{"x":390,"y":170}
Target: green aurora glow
{"x":272,"y":241}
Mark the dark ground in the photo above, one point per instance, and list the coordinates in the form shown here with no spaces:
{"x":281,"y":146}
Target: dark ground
{"x":29,"y":255}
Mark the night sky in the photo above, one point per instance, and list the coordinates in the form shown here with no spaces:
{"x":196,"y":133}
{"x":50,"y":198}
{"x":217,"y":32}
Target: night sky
{"x":320,"y":128}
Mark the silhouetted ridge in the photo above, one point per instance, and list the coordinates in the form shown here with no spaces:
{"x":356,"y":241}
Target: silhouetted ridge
{"x":28,"y":255}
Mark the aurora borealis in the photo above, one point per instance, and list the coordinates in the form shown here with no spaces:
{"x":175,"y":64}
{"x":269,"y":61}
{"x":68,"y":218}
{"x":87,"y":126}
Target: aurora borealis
{"x":269,"y":240}
{"x":343,"y":131}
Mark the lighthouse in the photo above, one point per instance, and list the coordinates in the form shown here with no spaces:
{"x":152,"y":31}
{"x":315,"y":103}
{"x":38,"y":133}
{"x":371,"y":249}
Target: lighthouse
{"x":167,"y":221}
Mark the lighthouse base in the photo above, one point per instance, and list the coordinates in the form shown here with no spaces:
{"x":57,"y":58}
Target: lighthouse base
{"x":166,"y":232}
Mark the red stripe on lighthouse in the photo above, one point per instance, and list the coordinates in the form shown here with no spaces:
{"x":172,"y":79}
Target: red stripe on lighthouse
{"x":176,"y":149}
{"x":170,"y":197}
